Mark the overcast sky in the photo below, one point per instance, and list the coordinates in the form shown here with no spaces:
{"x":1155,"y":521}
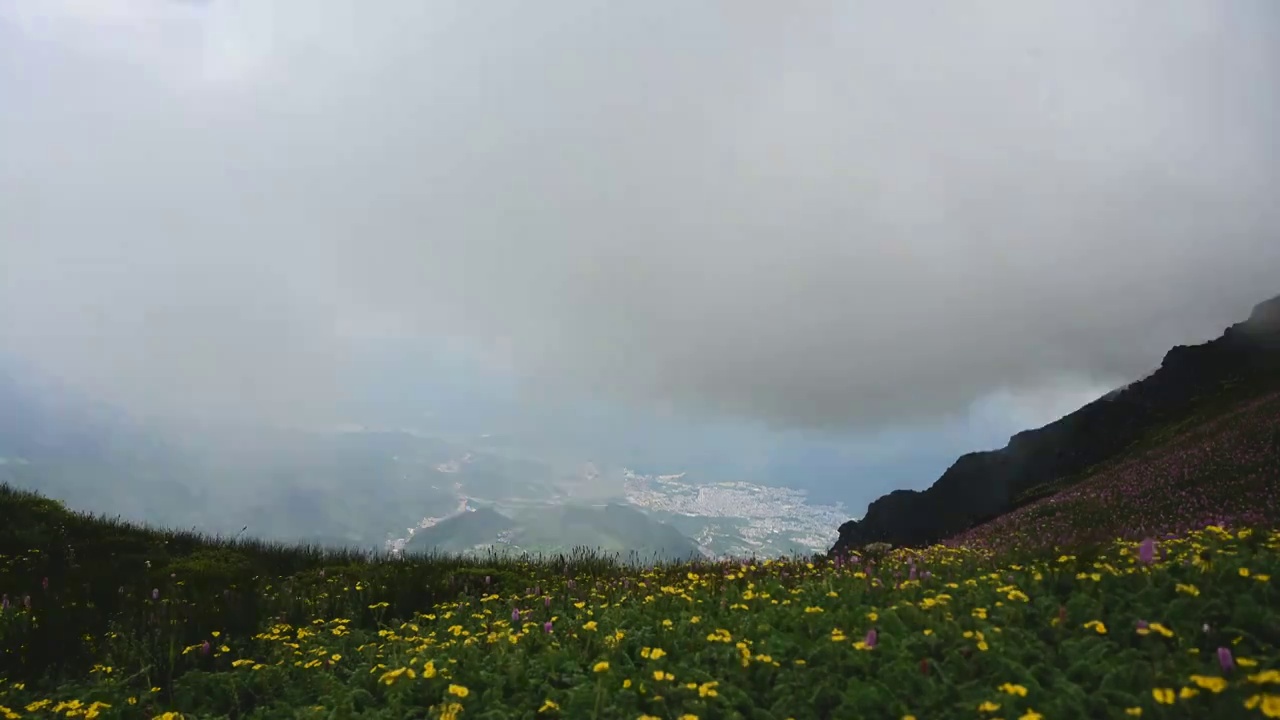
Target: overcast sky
{"x":810,"y":214}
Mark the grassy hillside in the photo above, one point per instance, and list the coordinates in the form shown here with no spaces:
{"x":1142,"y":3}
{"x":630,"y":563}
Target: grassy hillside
{"x":1193,"y":386}
{"x":1231,"y":405}
{"x":108,"y":620}
{"x":1222,"y":468}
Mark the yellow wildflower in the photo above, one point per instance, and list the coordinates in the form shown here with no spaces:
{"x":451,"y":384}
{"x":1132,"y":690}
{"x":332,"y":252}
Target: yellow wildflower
{"x":1269,"y":704}
{"x":1212,"y":683}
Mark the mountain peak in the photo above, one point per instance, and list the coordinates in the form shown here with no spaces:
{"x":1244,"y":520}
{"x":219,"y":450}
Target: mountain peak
{"x":1265,"y":316}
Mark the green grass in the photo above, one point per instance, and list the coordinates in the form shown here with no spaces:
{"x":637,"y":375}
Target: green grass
{"x":139,"y":623}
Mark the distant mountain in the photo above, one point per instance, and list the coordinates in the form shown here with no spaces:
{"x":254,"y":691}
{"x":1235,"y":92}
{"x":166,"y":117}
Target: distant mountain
{"x":60,"y":442}
{"x":332,"y":488}
{"x":462,"y":532}
{"x":41,"y":418}
{"x":1192,"y":381}
{"x":611,"y":528}
{"x":350,"y":488}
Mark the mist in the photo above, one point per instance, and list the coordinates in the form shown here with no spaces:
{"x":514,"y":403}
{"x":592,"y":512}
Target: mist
{"x":828,"y":216}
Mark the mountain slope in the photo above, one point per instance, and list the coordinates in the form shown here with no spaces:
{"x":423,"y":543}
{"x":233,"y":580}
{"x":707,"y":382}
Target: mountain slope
{"x":462,"y":532}
{"x":559,"y":529}
{"x":1224,"y":472}
{"x":1193,"y":384}
{"x":335,"y":488}
{"x":613,"y":528}
{"x":42,"y":418}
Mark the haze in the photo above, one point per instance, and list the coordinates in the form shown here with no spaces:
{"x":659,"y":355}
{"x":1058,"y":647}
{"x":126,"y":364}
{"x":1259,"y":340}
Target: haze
{"x":830,"y":216}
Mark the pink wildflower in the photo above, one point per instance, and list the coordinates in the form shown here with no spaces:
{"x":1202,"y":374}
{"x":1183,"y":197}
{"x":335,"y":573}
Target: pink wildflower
{"x":1147,"y":551}
{"x":1225,"y":660}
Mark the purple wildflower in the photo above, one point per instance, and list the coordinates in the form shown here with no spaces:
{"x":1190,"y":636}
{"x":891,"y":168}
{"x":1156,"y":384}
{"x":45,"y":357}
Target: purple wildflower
{"x":1225,"y":660}
{"x":1147,"y":551}
{"x":546,"y":626}
{"x":872,"y":638}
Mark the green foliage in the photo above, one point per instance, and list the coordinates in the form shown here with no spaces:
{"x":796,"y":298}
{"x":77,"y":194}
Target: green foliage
{"x":145,"y":622}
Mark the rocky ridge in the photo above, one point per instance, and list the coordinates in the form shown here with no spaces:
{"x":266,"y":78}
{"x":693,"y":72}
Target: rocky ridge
{"x":1241,"y":363}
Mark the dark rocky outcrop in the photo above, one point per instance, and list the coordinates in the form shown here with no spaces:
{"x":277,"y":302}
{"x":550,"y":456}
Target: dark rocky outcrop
{"x":1243,"y":362}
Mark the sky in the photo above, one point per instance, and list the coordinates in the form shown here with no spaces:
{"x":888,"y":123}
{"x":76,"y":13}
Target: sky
{"x":841,"y":219}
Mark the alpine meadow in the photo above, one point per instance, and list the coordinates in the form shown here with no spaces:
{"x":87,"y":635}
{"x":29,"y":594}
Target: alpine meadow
{"x":574,"y":360}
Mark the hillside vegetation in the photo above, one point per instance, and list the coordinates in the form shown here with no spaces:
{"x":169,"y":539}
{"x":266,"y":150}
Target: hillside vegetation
{"x":1141,"y":583}
{"x":1223,"y":471}
{"x":105,"y":619}
{"x":1193,"y":385}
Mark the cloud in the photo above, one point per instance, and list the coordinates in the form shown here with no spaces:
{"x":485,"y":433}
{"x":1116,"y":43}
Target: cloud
{"x":833,"y":216}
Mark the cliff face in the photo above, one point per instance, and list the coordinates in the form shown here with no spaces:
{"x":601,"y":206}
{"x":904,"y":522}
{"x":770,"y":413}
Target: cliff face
{"x":982,"y":485}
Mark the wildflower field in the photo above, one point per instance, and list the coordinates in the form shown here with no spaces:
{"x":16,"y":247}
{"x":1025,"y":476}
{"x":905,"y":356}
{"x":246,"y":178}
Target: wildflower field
{"x":113,"y":621}
{"x":1145,"y":591}
{"x":1222,"y":471}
